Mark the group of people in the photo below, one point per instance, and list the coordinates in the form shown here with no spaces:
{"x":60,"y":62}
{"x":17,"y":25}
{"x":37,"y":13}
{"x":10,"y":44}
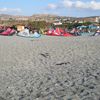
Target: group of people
{"x":79,"y":32}
{"x":19,"y":31}
{"x":26,"y":31}
{"x":96,"y":33}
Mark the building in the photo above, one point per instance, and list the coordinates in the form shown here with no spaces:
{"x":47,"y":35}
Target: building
{"x":88,"y":19}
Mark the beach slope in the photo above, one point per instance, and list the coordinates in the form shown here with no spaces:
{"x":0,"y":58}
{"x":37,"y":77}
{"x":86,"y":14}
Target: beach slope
{"x":50,"y":68}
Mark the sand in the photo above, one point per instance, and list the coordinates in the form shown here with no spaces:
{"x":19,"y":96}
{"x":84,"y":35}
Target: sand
{"x":50,"y":68}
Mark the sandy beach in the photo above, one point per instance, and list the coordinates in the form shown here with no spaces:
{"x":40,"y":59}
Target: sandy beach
{"x":50,"y":68}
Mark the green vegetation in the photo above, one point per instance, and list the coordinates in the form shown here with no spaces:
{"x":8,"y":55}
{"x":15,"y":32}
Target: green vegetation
{"x":42,"y":24}
{"x":38,"y":24}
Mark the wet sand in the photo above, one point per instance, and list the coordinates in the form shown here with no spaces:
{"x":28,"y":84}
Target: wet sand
{"x":50,"y":68}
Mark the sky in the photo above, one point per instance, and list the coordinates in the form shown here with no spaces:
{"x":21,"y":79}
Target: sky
{"x":74,"y":8}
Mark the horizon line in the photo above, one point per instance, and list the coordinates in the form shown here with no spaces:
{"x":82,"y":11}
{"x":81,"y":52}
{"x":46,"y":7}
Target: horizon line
{"x":49,"y":14}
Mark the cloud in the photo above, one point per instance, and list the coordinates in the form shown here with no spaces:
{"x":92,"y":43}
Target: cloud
{"x":81,"y":5}
{"x":95,"y":5}
{"x":67,"y":3}
{"x":52,"y":6}
{"x":70,"y":7}
{"x":11,"y":10}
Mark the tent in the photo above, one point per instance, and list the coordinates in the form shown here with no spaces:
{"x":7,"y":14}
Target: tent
{"x":8,"y":32}
{"x":26,"y":33}
{"x":81,"y":27}
{"x":20,"y":28}
{"x":58,"y":32}
{"x":92,"y":27}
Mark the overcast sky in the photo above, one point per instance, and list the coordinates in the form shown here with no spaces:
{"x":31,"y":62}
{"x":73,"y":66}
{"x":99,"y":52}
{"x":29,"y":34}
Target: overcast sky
{"x":77,"y":8}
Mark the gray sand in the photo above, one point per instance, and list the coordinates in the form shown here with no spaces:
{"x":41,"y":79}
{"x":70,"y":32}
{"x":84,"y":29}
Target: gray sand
{"x":50,"y":68}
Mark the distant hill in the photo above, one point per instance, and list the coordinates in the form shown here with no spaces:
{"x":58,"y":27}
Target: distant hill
{"x":44,"y":17}
{"x":35,"y":16}
{"x":5,"y":15}
{"x":14,"y":17}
